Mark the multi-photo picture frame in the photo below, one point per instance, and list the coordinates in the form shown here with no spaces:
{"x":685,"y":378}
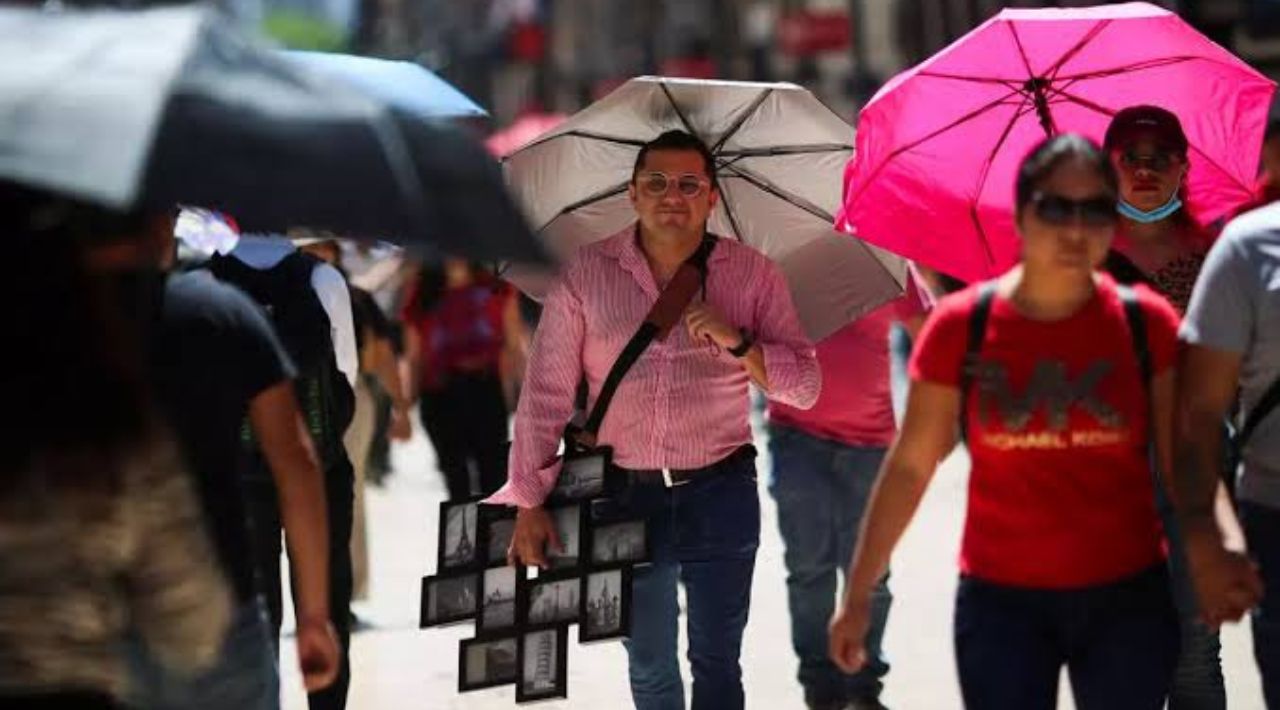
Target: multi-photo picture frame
{"x":522,"y":616}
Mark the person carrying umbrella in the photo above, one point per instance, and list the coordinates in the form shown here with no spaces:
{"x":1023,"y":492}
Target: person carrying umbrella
{"x":1059,"y":378}
{"x":679,"y":424}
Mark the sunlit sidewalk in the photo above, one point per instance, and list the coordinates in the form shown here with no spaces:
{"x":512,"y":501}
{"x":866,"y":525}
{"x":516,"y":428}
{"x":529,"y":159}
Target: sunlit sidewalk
{"x":396,"y":666}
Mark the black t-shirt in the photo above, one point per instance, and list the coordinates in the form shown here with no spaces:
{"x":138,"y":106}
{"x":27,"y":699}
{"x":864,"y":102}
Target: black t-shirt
{"x":365,"y":313}
{"x":212,"y":352}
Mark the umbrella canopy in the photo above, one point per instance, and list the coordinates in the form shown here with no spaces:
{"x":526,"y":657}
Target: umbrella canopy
{"x":405,"y":85}
{"x":939,"y":146}
{"x":779,"y":154}
{"x":171,"y":106}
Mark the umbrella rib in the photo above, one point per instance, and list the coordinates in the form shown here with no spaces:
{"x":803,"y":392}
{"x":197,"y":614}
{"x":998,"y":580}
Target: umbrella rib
{"x":741,"y":120}
{"x":974,"y":79}
{"x":576,"y":133}
{"x":1079,"y":47}
{"x":1201,"y":153}
{"x":676,"y":107}
{"x":1017,"y":41}
{"x":573,"y":207}
{"x":767,"y":186}
{"x":1027,"y":107}
{"x":785,"y":150}
{"x":733,"y":221}
{"x":1128,"y":68}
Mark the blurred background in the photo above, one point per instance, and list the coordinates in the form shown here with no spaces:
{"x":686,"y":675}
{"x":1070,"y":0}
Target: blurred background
{"x":516,"y":57}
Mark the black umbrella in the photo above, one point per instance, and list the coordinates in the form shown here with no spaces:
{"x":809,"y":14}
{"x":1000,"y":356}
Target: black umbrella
{"x":172,"y":106}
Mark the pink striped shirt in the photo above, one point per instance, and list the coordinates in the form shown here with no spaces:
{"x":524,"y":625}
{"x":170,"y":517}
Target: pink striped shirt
{"x":681,"y":405}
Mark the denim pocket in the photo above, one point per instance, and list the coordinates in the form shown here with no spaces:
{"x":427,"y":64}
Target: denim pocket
{"x":719,"y":518}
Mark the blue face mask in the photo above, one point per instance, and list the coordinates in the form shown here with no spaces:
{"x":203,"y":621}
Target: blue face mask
{"x":1173,"y":205}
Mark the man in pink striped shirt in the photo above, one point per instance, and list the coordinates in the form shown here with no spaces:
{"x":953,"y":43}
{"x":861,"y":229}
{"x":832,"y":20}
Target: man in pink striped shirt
{"x":678,"y":424}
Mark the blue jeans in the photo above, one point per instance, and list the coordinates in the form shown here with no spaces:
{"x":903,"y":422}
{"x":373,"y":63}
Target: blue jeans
{"x":1262,"y":531}
{"x":704,"y":534}
{"x":822,"y":488}
{"x":244,"y":677}
{"x":1118,"y":641}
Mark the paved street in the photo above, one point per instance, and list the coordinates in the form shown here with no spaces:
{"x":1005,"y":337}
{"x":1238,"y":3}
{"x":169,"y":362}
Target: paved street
{"x":397,"y":666}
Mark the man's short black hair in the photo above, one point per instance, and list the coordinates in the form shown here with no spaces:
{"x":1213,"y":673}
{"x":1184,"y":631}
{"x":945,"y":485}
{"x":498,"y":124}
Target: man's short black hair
{"x":677,"y":140}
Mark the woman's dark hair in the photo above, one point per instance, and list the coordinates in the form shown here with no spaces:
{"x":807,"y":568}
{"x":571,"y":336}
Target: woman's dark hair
{"x":432,"y":281}
{"x":677,"y":140}
{"x":72,"y":373}
{"x":1051,"y":153}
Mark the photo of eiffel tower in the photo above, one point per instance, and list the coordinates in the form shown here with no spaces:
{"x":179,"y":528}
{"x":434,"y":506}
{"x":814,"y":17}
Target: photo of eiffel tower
{"x":460,"y":534}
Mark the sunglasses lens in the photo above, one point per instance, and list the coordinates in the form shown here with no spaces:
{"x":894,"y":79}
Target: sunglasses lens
{"x":655,"y":184}
{"x":690,"y":186}
{"x":1054,"y":210}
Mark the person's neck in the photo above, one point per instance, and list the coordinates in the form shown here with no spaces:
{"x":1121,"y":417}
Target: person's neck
{"x":1049,"y":296}
{"x":1141,"y":234}
{"x":666,"y":251}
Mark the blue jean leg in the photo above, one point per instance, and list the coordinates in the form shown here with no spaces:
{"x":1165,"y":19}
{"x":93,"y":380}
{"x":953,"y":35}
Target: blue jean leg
{"x":652,"y":649}
{"x":822,"y":489}
{"x":244,"y":677}
{"x":1262,"y":531}
{"x":719,"y":596}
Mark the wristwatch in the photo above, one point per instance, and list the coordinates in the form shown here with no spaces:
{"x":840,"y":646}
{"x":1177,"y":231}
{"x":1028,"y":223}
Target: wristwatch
{"x":742,"y":348}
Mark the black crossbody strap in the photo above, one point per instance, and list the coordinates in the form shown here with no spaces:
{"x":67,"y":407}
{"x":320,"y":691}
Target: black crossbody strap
{"x":973,"y":349}
{"x":1137,"y":321}
{"x":1266,"y":405}
{"x":669,"y":305}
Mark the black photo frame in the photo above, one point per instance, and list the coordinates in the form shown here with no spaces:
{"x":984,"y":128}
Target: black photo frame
{"x":605,"y":605}
{"x":448,"y":599}
{"x":458,"y":545}
{"x":571,"y":527}
{"x":618,"y":542}
{"x":488,"y":662}
{"x":584,"y":474}
{"x":543,"y":664}
{"x":498,"y":610}
{"x":497,"y":525}
{"x":550,"y":599}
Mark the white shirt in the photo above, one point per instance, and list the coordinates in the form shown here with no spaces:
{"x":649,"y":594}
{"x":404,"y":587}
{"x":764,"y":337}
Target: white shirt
{"x":262,"y":253}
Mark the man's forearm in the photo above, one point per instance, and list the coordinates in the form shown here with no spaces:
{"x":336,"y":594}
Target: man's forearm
{"x":1197,"y":453}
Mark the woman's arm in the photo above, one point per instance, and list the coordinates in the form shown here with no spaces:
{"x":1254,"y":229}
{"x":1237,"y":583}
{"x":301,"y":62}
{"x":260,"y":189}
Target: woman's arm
{"x":928,"y":434}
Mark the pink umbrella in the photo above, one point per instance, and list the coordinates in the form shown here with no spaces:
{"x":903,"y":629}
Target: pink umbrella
{"x":939,"y":146}
{"x":523,"y":131}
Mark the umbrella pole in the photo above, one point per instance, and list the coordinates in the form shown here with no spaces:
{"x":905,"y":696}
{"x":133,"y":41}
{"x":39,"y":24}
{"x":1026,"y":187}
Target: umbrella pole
{"x":1036,"y":88}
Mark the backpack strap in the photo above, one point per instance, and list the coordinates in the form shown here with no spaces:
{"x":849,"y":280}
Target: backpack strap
{"x":978,"y":318}
{"x":1267,"y":404}
{"x":1137,"y":321}
{"x":665,"y":313}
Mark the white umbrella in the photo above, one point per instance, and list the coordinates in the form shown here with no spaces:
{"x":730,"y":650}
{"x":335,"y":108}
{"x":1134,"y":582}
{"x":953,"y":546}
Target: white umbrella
{"x":780,"y":158}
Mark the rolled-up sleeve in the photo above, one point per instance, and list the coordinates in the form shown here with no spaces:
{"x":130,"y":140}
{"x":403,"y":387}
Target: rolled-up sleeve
{"x":546,"y":398}
{"x":790,"y":360}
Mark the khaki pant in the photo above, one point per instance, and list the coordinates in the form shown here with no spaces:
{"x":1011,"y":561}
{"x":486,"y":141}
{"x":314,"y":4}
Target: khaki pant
{"x":359,"y":440}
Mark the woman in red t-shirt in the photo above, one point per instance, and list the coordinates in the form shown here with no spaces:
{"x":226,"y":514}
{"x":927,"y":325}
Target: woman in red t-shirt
{"x":1062,"y":561}
{"x":465,"y":341}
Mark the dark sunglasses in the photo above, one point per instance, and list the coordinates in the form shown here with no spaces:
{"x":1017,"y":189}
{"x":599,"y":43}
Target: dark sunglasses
{"x":1159,"y":161}
{"x":1060,"y":211}
{"x":656,"y":184}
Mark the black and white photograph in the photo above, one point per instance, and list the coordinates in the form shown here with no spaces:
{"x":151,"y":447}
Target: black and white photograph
{"x":498,"y":532}
{"x":619,"y":543}
{"x":498,"y":599}
{"x":487,"y":663}
{"x":448,"y":598}
{"x":582,"y":476}
{"x":543,"y":665}
{"x":459,"y":545}
{"x":568,"y":521}
{"x":606,"y":606}
{"x":553,"y":601}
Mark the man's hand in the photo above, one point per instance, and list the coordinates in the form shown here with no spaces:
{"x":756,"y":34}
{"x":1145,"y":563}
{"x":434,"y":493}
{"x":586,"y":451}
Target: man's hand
{"x":318,"y":654}
{"x":848,"y":636}
{"x":1227,"y":583}
{"x":705,"y":321}
{"x":534,"y":530}
{"x":400,"y":429}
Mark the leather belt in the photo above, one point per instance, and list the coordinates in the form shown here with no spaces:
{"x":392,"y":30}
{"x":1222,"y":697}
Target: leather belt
{"x":674,"y":477}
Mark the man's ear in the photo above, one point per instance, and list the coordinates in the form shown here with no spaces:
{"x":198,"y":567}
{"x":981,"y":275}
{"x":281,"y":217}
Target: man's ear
{"x":713,"y":196}
{"x":631,"y":192}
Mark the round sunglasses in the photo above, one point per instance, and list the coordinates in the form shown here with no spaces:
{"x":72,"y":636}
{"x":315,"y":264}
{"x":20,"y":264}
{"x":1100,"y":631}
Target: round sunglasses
{"x":1098,"y":211}
{"x":656,"y":184}
{"x":1159,"y":161}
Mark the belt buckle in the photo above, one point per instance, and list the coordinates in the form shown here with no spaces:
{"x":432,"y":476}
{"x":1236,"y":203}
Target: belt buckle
{"x":670,"y":482}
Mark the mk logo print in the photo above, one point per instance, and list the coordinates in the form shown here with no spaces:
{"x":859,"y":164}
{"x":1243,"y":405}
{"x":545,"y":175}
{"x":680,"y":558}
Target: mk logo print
{"x":1050,"y":388}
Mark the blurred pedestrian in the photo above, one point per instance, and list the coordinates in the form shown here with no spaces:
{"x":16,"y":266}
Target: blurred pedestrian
{"x":1062,"y":562}
{"x":379,"y":371}
{"x":465,"y":341}
{"x":825,"y":461}
{"x":678,"y":426}
{"x":309,"y":306}
{"x":100,"y":530}
{"x":1232,"y":359}
{"x":1158,"y":243}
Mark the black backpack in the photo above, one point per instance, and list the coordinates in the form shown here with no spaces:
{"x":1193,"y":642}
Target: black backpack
{"x":286,"y":294}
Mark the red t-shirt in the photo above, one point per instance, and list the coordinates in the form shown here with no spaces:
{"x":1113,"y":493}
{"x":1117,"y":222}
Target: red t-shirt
{"x":1060,"y":494}
{"x":463,"y":333}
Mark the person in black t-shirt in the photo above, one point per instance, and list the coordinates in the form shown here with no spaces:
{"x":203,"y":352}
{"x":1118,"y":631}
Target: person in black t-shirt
{"x":212,"y":359}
